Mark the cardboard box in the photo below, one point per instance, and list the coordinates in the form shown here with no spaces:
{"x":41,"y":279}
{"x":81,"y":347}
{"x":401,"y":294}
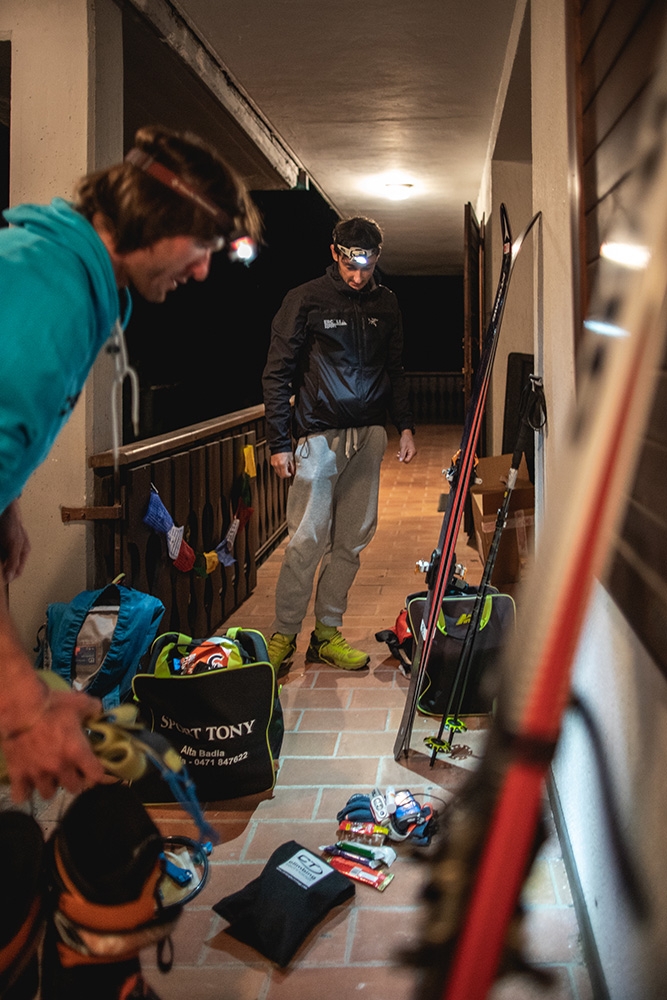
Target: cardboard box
{"x":517,"y":540}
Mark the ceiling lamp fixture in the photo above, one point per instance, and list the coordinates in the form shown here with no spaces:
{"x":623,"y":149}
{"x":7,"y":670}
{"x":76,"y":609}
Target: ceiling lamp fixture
{"x":398,"y":190}
{"x":393,"y":184}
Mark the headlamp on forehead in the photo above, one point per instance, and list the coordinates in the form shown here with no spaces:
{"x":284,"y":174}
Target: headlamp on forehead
{"x":357,"y":255}
{"x":241,"y":247}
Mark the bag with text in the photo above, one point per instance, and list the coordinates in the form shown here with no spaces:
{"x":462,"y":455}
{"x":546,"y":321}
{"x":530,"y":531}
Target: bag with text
{"x":216,"y":701}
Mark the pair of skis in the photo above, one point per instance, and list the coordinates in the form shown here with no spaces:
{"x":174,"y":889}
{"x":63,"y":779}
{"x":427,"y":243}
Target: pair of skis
{"x":459,"y":475}
{"x":451,"y":720}
{"x":477,"y":877}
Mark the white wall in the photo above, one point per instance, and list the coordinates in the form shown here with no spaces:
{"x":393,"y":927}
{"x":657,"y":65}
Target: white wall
{"x":628,"y":697}
{"x":511,"y":184}
{"x":553,"y":182}
{"x":66,"y":112}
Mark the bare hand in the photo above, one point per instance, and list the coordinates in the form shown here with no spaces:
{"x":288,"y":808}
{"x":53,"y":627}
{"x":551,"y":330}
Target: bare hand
{"x":53,"y":751}
{"x":14,"y":543}
{"x":406,"y":447}
{"x":283,"y":464}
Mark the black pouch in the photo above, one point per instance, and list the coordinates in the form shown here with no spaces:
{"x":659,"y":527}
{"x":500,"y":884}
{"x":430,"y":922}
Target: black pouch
{"x":276,"y":911}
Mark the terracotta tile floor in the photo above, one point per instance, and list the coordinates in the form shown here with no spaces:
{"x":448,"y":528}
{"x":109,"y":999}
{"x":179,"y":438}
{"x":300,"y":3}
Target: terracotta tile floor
{"x":340,"y":730}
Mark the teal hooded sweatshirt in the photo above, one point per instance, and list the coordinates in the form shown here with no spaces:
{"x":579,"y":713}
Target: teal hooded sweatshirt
{"x":58,"y":305}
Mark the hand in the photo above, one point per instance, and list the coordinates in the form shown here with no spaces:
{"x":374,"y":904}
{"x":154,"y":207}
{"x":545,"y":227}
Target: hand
{"x":406,"y":447}
{"x":52,"y":750}
{"x":283,"y":464}
{"x":14,"y":543}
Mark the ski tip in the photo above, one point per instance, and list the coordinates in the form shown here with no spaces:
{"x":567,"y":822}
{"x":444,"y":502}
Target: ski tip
{"x":522,"y":235}
{"x":506,"y":228}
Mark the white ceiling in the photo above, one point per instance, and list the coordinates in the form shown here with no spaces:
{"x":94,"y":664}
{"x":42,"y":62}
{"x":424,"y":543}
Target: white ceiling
{"x":357,"y":89}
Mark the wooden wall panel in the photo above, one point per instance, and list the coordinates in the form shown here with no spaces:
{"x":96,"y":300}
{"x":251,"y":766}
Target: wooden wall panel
{"x":620,"y":40}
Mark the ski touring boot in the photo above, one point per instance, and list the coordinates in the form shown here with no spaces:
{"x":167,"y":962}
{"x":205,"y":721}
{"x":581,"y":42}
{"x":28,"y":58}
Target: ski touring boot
{"x":106,"y":906}
{"x":23,"y":913}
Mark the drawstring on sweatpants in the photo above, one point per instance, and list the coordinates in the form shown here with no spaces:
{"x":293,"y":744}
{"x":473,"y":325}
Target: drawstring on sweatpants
{"x":351,"y":441}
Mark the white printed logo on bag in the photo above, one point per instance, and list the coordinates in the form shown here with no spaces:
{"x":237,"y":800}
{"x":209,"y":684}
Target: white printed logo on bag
{"x":305,"y":868}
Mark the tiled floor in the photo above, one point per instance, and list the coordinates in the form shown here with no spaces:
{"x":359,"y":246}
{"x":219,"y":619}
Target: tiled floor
{"x":340,"y":730}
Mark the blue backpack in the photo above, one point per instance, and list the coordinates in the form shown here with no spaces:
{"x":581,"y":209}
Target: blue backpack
{"x":97,"y":640}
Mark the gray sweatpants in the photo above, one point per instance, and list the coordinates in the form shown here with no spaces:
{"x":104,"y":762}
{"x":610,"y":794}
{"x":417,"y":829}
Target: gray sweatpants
{"x":332,"y":510}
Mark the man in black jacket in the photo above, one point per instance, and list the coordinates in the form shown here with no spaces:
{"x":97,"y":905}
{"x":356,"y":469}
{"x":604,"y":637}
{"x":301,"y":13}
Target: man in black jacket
{"x":336,"y":346}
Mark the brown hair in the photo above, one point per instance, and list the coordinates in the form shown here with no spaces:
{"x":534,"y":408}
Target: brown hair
{"x":357,"y":232}
{"x":140,"y":209}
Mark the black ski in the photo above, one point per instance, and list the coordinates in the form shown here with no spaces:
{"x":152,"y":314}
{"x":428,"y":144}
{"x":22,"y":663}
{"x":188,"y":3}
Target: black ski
{"x":459,"y":476}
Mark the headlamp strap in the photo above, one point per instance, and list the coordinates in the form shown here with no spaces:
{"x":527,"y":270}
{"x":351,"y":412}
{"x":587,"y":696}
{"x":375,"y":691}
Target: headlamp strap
{"x":144,"y":161}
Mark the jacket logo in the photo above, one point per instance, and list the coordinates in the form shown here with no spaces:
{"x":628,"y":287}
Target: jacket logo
{"x":372,"y":321}
{"x":331,"y":324}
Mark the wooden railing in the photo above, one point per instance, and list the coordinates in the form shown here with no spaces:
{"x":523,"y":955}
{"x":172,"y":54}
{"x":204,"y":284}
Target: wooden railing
{"x":436,"y":397}
{"x":198,"y":473}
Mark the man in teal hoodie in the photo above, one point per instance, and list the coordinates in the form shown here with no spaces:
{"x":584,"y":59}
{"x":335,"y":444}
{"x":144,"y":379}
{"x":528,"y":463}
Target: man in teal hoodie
{"x":149,"y":223}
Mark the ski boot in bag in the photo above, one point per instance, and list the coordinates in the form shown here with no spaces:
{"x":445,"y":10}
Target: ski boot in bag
{"x":23,"y":913}
{"x":105,"y":905}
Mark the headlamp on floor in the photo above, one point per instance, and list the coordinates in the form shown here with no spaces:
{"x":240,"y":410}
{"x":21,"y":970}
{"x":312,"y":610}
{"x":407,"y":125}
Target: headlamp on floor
{"x":357,"y":255}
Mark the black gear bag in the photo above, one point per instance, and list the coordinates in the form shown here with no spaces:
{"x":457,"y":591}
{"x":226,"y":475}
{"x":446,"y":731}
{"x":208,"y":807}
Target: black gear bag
{"x":216,"y":701}
{"x":497,"y":619}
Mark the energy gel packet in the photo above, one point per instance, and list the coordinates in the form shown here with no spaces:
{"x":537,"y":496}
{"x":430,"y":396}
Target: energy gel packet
{"x":339,"y":851}
{"x":385,"y":855}
{"x":360,"y":873}
{"x":365,"y":833}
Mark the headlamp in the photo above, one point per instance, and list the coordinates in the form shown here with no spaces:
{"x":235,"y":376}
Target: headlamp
{"x":357,"y":255}
{"x":243,"y":249}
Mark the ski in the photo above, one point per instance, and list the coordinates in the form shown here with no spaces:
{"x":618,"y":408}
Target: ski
{"x":479,"y":870}
{"x":451,"y":719}
{"x":459,"y":476}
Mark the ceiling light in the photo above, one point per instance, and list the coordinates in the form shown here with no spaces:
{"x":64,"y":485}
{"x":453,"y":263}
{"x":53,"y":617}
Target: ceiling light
{"x":398,"y":191}
{"x":393,"y":184}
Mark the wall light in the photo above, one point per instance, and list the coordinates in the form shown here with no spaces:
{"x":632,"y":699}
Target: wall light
{"x":605,"y":328}
{"x":629,"y":254}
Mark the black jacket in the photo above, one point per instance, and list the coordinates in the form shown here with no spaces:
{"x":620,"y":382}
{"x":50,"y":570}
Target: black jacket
{"x":339,"y":352}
